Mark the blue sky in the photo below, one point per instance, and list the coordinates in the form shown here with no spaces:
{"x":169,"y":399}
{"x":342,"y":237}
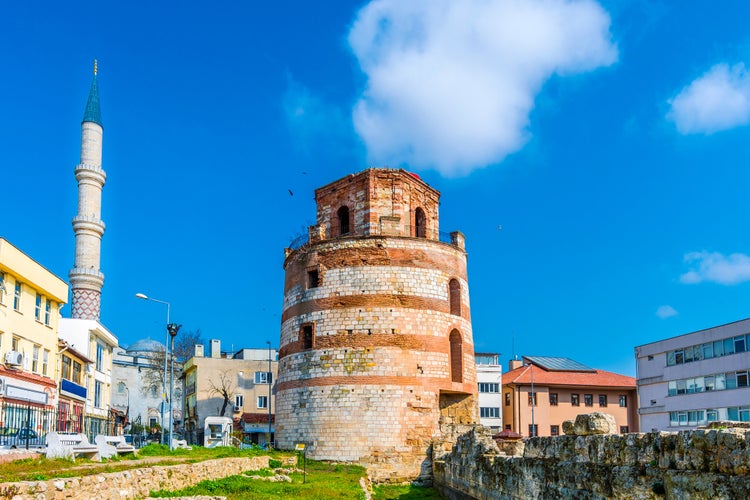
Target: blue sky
{"x":594,"y":154}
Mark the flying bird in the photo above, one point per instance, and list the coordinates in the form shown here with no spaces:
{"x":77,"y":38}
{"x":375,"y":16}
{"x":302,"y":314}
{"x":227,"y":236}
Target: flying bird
{"x":290,"y":192}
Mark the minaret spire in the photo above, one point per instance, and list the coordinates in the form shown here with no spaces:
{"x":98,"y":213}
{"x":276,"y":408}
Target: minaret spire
{"x":86,"y":278}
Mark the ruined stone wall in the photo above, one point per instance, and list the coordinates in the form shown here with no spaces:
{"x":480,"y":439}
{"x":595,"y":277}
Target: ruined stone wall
{"x":135,"y":483}
{"x":365,"y":356}
{"x":702,"y":464}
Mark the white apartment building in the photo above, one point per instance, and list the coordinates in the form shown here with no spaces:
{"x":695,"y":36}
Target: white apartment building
{"x":696,"y":378}
{"x":489,"y":379}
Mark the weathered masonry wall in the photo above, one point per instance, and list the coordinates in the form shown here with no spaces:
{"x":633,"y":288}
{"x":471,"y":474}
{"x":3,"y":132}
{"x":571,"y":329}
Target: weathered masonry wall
{"x":702,"y":464}
{"x":134,"y":483}
{"x":376,"y":347}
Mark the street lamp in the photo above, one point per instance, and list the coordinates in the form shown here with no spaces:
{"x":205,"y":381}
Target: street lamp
{"x":172,"y":329}
{"x":268,"y":379}
{"x":166,"y":354}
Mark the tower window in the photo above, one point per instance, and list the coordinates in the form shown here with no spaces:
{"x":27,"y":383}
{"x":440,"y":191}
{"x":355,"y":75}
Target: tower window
{"x":343,"y":216}
{"x":456,"y":356}
{"x":454,"y":292}
{"x":420,"y":223}
{"x":313,"y":278}
{"x":308,"y":336}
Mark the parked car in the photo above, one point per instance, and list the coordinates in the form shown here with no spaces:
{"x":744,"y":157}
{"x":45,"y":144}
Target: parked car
{"x":11,"y":437}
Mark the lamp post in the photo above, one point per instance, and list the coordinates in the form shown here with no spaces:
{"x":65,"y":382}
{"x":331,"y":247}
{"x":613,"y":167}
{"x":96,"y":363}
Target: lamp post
{"x":166,"y":354}
{"x":172,"y":329}
{"x":268,"y":379}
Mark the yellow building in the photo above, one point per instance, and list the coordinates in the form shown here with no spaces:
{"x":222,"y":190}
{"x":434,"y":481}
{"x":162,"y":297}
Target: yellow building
{"x":30,"y":302}
{"x":239,"y":385}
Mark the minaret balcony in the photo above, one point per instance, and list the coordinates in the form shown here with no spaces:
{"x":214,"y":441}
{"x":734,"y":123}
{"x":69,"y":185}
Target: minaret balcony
{"x":93,"y":172}
{"x":84,"y":223}
{"x":83,"y":276}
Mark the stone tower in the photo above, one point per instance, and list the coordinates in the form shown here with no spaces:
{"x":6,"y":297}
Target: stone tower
{"x":376,"y":347}
{"x":86,"y":279}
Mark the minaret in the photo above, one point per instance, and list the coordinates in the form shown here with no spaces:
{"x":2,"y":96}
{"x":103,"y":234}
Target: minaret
{"x":86,"y":279}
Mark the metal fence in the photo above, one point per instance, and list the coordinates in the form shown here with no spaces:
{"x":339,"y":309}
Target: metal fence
{"x":303,"y":239}
{"x":24,"y":425}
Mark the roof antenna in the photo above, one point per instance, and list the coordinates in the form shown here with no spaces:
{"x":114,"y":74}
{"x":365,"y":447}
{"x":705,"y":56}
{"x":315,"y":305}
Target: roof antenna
{"x":96,"y":67}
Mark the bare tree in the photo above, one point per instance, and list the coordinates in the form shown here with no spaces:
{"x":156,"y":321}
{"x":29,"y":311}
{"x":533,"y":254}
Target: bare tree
{"x":224,"y":386}
{"x":153,"y":373}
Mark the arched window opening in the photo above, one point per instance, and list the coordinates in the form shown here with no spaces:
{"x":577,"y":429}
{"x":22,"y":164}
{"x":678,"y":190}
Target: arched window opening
{"x":420,"y":223}
{"x":457,"y":370}
{"x":454,"y":293}
{"x":343,"y":215}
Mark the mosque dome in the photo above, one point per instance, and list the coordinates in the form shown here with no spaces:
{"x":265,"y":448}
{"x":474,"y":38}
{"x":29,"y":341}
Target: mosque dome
{"x":145,"y":345}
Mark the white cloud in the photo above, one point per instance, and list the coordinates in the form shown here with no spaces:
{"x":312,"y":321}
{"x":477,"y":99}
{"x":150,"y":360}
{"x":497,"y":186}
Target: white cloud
{"x":666,"y":312}
{"x":718,"y":100}
{"x":717,"y":268}
{"x":450,"y":84}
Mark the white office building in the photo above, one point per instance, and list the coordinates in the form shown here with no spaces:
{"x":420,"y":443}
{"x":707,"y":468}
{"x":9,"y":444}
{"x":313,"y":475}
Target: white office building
{"x":693,"y":379}
{"x":489,"y":378}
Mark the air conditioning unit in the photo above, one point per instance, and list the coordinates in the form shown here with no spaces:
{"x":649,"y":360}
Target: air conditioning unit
{"x":2,"y":387}
{"x":13,"y":358}
{"x":237,"y":409}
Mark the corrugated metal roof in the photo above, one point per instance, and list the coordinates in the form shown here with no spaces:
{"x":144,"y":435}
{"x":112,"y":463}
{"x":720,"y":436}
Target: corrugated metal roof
{"x":558,"y":364}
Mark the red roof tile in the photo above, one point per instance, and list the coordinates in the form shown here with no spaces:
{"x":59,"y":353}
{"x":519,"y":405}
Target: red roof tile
{"x":597,"y":378}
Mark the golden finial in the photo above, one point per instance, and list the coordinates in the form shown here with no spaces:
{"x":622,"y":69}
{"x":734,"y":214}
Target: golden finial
{"x":96,"y":68}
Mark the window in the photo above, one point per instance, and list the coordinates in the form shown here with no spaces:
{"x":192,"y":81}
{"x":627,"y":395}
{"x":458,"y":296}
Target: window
{"x":532,"y":399}
{"x":507,"y":427}
{"x":343,"y":216}
{"x":154,"y":391}
{"x":553,"y":399}
{"x":45,"y":361}
{"x":308,"y":336}
{"x":624,"y":429}
{"x":489,"y":387}
{"x":420,"y":223}
{"x":98,"y":394}
{"x":533,"y":430}
{"x":588,"y":399}
{"x":76,"y":373}
{"x":263,"y":377}
{"x":121,"y":387}
{"x":602,"y":400}
{"x":742,"y":379}
{"x":2,"y":288}
{"x":262,"y":401}
{"x":454,"y":297}
{"x":152,"y":422}
{"x":35,"y":359}
{"x":239,"y":400}
{"x":14,"y":344}
{"x":312,"y":278}
{"x":488,"y":412}
{"x":712,"y":415}
{"x":66,"y":365}
{"x":38,"y":307}
{"x":457,"y":371}
{"x":554,"y":430}
{"x":507,"y":399}
{"x":99,"y":357}
{"x":575,"y":400}
{"x":47,"y":311}
{"x":623,"y":401}
{"x":739,"y":344}
{"x":17,"y":296}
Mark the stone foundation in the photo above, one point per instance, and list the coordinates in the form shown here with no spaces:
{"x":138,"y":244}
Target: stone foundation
{"x":701,"y":464}
{"x":134,"y":483}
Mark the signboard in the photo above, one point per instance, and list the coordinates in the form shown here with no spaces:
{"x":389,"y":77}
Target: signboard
{"x":15,"y":392}
{"x":300,"y":447}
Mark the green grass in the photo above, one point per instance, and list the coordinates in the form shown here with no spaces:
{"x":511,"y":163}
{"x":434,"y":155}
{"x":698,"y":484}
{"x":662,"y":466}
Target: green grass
{"x":323,"y":481}
{"x":40,"y":469}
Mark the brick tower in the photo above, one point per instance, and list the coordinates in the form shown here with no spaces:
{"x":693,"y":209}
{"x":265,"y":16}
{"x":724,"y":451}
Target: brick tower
{"x":86,"y":279}
{"x":376,"y":347}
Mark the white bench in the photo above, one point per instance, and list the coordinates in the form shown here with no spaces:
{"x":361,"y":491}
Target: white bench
{"x":112,"y":445}
{"x":180,"y":443}
{"x":67,"y":445}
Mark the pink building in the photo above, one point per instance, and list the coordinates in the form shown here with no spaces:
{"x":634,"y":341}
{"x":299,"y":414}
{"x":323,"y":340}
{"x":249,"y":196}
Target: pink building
{"x":540,"y":392}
